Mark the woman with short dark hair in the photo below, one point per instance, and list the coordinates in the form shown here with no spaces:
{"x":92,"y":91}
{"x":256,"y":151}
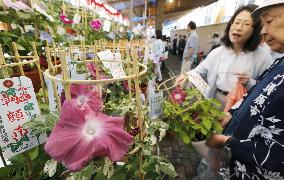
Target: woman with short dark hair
{"x":238,"y":60}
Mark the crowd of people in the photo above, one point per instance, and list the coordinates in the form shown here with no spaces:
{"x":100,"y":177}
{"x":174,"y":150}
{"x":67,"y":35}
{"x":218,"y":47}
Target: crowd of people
{"x":253,"y":130}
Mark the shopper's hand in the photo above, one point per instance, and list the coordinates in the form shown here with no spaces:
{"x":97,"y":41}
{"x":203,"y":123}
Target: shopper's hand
{"x":243,"y":78}
{"x":180,"y":80}
{"x":226,"y":119}
{"x":217,"y":141}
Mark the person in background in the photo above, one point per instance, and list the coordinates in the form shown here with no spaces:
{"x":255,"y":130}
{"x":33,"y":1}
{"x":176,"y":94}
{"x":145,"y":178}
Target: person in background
{"x":257,"y":143}
{"x":166,"y":48}
{"x":175,"y":45}
{"x":239,"y":60}
{"x":181,"y":45}
{"x":216,"y":42}
{"x":159,"y":49}
{"x":191,"y":47}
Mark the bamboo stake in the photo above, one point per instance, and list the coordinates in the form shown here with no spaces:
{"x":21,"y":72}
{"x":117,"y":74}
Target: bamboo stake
{"x":97,"y":72}
{"x":129,"y":81}
{"x":2,"y":62}
{"x":65,"y":75}
{"x":139,"y":109}
{"x":17,"y":57}
{"x":39,"y":71}
{"x":53,"y":82}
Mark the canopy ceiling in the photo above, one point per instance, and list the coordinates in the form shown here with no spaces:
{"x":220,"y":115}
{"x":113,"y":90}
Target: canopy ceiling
{"x":171,"y":6}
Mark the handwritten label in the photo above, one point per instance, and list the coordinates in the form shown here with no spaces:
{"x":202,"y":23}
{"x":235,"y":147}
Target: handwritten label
{"x":18,"y":105}
{"x":106,"y":26}
{"x":116,"y":68}
{"x":106,"y":55}
{"x":155,"y":104}
{"x":198,"y":82}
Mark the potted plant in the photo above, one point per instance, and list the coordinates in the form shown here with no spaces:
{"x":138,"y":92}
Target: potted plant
{"x":192,"y":117}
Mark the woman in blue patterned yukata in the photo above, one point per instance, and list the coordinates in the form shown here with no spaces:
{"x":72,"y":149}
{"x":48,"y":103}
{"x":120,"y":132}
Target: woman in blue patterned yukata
{"x":257,"y":144}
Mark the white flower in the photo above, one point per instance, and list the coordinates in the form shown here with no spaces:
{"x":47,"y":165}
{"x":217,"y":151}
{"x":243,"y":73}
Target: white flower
{"x":50,"y":167}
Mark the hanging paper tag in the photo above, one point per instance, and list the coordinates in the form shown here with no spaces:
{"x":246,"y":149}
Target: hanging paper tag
{"x":18,"y":105}
{"x":146,"y":56}
{"x":106,"y":55}
{"x":155,"y":104}
{"x":116,"y":68}
{"x":198,"y":82}
{"x":61,"y":31}
{"x":106,"y":26}
{"x":76,"y":19}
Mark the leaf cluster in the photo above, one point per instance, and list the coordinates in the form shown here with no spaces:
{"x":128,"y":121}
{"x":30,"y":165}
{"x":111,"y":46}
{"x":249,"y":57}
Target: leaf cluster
{"x":196,"y":118}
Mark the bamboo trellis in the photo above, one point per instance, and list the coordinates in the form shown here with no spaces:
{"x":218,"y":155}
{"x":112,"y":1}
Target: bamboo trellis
{"x":19,"y":61}
{"x":133,"y":73}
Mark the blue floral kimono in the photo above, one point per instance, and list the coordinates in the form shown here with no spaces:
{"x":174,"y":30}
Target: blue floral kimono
{"x":258,"y":140}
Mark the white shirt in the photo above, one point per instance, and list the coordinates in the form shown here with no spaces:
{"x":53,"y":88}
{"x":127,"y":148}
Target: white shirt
{"x":158,"y":49}
{"x":222,"y":63}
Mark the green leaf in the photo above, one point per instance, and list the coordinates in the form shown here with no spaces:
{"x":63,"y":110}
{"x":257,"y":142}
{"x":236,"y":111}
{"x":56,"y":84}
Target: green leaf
{"x":217,"y":127}
{"x":186,"y":117}
{"x":168,"y":169}
{"x":215,"y":102}
{"x":20,"y":47}
{"x":206,"y":123}
{"x":33,"y":153}
{"x":6,"y":171}
{"x":204,"y":130}
{"x":185,"y":139}
{"x":23,"y":15}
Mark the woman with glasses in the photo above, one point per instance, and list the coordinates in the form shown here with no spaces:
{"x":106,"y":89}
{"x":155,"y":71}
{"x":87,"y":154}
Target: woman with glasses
{"x":239,"y":59}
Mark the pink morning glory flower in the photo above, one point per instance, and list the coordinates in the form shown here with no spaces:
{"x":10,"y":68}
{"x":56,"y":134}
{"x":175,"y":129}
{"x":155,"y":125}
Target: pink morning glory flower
{"x":92,"y":69}
{"x":65,"y":19}
{"x":178,"y":95}
{"x":82,"y":135}
{"x":96,"y":24}
{"x":85,"y":94}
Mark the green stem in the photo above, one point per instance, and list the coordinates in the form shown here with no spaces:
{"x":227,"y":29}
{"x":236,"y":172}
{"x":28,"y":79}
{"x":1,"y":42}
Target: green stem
{"x":29,"y":164}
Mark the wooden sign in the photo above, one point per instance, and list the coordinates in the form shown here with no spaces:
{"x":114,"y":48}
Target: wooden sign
{"x":18,"y":105}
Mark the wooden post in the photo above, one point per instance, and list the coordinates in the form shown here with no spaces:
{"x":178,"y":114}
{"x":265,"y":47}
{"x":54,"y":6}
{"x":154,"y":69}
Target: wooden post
{"x":2,"y":62}
{"x":39,"y":71}
{"x":139,"y":109}
{"x":128,"y":68}
{"x":18,"y":59}
{"x":65,"y":75}
{"x":54,"y":84}
{"x":97,"y":71}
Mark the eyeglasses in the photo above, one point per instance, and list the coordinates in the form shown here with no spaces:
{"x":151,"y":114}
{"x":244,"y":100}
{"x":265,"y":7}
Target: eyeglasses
{"x":242,"y":23}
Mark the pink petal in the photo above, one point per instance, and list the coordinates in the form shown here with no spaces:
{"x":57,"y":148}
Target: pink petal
{"x":22,"y":6}
{"x":118,"y":142}
{"x":80,"y":89}
{"x":8,"y":3}
{"x":92,"y":69}
{"x":69,"y":144}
